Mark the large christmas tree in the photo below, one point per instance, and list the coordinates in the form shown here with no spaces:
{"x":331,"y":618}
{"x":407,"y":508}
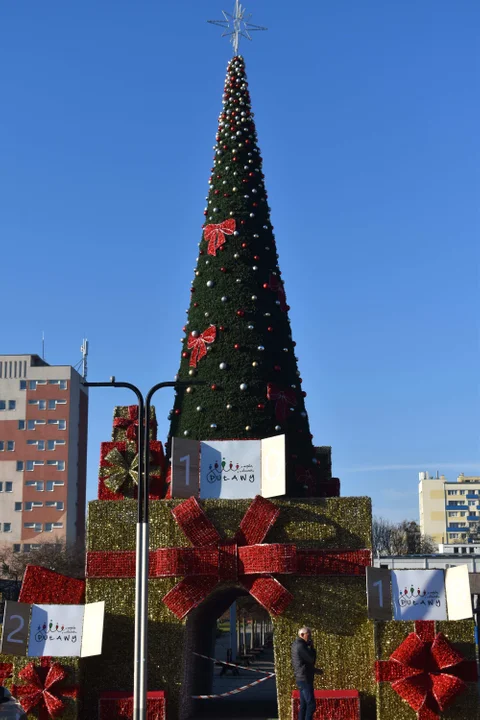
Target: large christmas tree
{"x":238,"y":338}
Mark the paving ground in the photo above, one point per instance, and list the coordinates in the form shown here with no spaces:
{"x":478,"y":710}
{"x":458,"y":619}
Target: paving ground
{"x":257,"y":703}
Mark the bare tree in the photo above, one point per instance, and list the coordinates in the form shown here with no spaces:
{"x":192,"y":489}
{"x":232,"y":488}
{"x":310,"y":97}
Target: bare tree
{"x":402,"y":538}
{"x":60,"y":557}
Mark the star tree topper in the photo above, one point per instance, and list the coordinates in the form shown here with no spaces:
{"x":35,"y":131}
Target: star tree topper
{"x":237,"y":25}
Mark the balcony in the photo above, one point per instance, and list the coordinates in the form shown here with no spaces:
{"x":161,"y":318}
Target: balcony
{"x":456,"y":506}
{"x":473,"y":518}
{"x":454,"y":527}
{"x":472,"y":496}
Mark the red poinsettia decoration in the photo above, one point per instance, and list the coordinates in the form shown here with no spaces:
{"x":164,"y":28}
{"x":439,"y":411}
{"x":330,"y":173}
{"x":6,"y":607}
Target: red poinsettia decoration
{"x":283,"y":397}
{"x":198,"y":344}
{"x":276,"y":285}
{"x":43,"y":689}
{"x":215,"y":234}
{"x":307,"y":478}
{"x":426,"y":671}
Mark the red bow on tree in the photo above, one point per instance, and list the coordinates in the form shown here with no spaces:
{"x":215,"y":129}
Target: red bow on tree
{"x":198,"y":345}
{"x":276,"y":285}
{"x":42,"y":691}
{"x":426,"y":671}
{"x":215,"y":234}
{"x":283,"y":399}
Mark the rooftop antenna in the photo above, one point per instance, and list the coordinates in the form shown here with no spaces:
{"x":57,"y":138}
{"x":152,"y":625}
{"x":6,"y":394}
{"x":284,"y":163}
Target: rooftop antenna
{"x":43,"y":345}
{"x":84,"y":351}
{"x":237,"y":25}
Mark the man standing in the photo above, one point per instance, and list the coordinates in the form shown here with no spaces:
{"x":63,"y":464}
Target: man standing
{"x":303,"y":662}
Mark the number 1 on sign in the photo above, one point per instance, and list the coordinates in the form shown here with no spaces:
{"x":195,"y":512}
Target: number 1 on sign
{"x":186,"y":459}
{"x":380,"y":592}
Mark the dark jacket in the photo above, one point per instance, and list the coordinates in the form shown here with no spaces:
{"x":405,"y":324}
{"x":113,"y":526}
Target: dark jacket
{"x":303,"y":661}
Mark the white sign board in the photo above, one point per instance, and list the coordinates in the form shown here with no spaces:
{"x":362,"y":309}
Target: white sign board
{"x":457,"y":587}
{"x":419,"y":595}
{"x":56,"y":630}
{"x":66,"y":630}
{"x":229,"y":469}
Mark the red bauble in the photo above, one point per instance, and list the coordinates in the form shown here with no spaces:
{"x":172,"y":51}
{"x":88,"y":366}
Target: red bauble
{"x":265,"y":286}
{"x":234,"y":159}
{"x":270,"y":328}
{"x":242,"y":222}
{"x":236,"y":346}
{"x":192,"y":290}
{"x":256,"y":257}
{"x":221,"y":248}
{"x":221,"y":328}
{"x":216,"y":192}
{"x":184,"y":354}
{"x":261,"y":406}
{"x":240,"y":313}
{"x":201,"y":252}
{"x":223,"y":269}
{"x":195,"y":304}
{"x":255,"y":204}
{"x":177,"y":411}
{"x":213,"y":387}
{"x":244,"y":245}
{"x":277,"y":368}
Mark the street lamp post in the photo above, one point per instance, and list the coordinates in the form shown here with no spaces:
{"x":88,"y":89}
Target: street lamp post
{"x":142,"y":538}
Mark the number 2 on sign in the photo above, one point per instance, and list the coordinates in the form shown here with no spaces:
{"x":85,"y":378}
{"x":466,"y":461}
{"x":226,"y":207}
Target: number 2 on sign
{"x":21,"y":623}
{"x":186,"y":459}
{"x":380,"y":592}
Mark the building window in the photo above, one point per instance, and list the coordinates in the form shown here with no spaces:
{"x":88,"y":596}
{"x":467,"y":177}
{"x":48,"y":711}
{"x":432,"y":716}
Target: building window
{"x":1,"y":486}
{"x":455,"y":549}
{"x":2,"y":445}
{"x":3,"y":405}
{"x":48,"y":527}
{"x":12,"y":404}
{"x":28,"y":506}
{"x":8,"y":486}
{"x":23,"y":384}
{"x":32,"y":384}
{"x":19,"y":465}
{"x":42,"y":404}
{"x":11,"y":445}
{"x":60,"y":505}
{"x":62,"y":424}
{"x":52,"y":404}
{"x":52,"y":484}
{"x":18,"y":507}
{"x":63,"y":384}
{"x":59,"y":464}
{"x":16,"y":547}
{"x":21,"y":424}
{"x":32,"y":463}
{"x":51,"y":444}
{"x":7,"y":527}
{"x":58,"y":525}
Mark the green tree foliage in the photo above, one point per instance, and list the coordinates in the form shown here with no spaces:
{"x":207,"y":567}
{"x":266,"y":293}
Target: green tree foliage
{"x":252,"y":383}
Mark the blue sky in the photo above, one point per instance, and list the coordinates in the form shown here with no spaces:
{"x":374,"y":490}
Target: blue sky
{"x":367,"y":114}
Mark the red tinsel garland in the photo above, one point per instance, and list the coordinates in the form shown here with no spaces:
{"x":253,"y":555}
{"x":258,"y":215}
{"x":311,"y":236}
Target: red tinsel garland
{"x":6,"y":670}
{"x":426,"y":671}
{"x":41,"y":585}
{"x":243,"y":559}
{"x":115,"y":705}
{"x":41,"y":689}
{"x":331,"y":705}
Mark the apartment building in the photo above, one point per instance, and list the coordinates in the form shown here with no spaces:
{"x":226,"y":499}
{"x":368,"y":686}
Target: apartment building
{"x":450,"y":511}
{"x":43,"y":452}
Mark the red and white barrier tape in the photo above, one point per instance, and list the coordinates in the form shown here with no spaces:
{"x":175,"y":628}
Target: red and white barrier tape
{"x":242,"y":667}
{"x":237,"y":690}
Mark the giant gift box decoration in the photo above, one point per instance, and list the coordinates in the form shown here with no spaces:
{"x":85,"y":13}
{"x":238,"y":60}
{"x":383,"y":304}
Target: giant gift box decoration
{"x":331,"y":705}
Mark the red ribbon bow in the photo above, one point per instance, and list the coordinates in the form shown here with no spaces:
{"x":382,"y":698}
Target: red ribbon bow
{"x":130,"y":422}
{"x":283,"y":399}
{"x":6,"y":670}
{"x":426,"y":671}
{"x":241,"y":559}
{"x":215,"y":234}
{"x":198,"y":345}
{"x":42,"y":689}
{"x":276,"y":285}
